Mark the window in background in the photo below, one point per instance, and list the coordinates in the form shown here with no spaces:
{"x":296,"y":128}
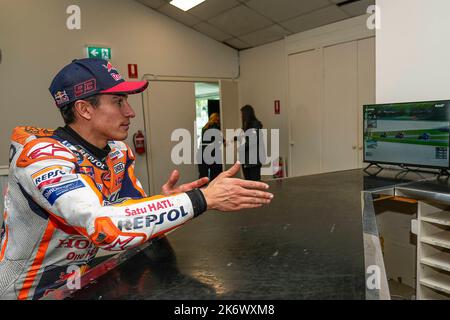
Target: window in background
{"x":203,"y":92}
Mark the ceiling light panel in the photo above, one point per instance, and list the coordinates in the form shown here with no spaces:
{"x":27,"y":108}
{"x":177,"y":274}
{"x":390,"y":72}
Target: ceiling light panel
{"x":185,"y":5}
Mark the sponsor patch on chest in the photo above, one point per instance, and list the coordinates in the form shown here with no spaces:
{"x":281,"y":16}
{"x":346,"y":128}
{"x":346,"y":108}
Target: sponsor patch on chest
{"x":119,"y":168}
{"x":51,"y":175}
{"x":115,"y":155}
{"x":53,"y":193}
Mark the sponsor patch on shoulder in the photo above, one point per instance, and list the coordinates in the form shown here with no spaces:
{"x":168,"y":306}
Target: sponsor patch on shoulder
{"x":53,"y":193}
{"x":87,"y":170}
{"x":51,"y":175}
{"x":116,"y":154}
{"x":119,"y":168}
{"x":39,"y":132}
{"x":48,"y":149}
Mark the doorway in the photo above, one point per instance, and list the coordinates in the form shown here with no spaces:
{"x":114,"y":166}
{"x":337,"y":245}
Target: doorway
{"x":207,"y":102}
{"x":176,"y":104}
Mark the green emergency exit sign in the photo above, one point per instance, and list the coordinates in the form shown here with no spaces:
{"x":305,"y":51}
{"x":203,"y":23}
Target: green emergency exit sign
{"x":98,"y":52}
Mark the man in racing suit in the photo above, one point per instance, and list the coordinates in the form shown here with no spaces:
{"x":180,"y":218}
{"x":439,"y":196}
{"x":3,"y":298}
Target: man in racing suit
{"x":73,"y":190}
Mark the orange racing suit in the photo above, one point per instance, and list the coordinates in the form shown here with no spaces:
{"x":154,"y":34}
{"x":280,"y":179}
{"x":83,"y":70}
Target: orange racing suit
{"x":67,"y":198}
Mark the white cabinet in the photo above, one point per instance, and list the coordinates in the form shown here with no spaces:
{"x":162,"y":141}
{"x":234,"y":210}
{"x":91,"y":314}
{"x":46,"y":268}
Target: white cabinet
{"x":305,"y":80}
{"x":327,"y":87}
{"x":339,"y":116}
{"x":433,"y":251}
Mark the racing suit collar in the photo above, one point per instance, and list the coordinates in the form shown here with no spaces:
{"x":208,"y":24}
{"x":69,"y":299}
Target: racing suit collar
{"x":74,"y":138}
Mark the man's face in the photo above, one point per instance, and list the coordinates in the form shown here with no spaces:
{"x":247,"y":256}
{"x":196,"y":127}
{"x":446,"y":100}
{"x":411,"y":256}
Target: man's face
{"x":111,"y":119}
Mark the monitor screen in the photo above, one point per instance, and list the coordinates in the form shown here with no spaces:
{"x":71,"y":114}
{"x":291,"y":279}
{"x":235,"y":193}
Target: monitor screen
{"x":415,"y":134}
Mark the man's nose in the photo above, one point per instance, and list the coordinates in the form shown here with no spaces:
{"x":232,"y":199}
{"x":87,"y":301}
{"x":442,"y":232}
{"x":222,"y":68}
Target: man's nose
{"x":128,"y":111}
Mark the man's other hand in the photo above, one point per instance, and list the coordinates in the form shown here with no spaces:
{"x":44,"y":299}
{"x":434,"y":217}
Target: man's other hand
{"x":226,"y":193}
{"x":169,"y":187}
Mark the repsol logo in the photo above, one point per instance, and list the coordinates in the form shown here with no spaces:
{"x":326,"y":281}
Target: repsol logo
{"x":146,"y":221}
{"x":48,"y":176}
{"x":92,"y":159}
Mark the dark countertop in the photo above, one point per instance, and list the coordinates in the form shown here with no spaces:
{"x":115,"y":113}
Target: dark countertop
{"x":437,"y":190}
{"x":307,"y":244}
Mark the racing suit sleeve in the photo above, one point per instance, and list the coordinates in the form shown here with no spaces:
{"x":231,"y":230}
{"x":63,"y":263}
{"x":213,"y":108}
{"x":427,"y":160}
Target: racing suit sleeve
{"x":74,"y":200}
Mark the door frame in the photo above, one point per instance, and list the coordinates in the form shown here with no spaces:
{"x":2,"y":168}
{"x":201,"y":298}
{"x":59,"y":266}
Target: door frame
{"x":146,"y":113}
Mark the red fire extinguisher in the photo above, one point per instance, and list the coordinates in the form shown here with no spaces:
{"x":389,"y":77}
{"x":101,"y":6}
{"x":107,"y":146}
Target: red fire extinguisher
{"x":278,"y":171}
{"x":139,"y":142}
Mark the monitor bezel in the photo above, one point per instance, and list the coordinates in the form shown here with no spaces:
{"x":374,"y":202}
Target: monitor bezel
{"x":400,"y":163}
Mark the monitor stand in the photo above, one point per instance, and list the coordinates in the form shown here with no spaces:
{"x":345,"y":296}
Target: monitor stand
{"x":373,"y":174}
{"x":444,"y":173}
{"x":439,"y":174}
{"x":405,"y":170}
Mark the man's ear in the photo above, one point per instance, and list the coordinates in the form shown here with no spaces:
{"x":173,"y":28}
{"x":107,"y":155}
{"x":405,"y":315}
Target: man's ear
{"x":83,"y":109}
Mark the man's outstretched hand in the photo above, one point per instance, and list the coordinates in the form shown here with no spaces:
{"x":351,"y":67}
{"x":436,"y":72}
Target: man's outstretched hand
{"x":169,"y":188}
{"x":226,"y":193}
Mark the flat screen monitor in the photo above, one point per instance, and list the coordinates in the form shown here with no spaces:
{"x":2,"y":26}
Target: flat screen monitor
{"x":409,"y":134}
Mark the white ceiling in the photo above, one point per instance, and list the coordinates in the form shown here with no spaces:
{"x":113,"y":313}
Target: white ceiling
{"x":244,"y":24}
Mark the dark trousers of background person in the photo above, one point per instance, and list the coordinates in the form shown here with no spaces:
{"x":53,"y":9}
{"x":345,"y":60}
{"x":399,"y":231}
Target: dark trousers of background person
{"x":203,"y":170}
{"x":209,"y":170}
{"x":252,"y":173}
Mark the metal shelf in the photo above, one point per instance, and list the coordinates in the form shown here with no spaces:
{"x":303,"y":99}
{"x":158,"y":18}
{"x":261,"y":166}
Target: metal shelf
{"x":437,"y":282}
{"x":441,"y":239}
{"x":439,"y":261}
{"x":441,"y":218}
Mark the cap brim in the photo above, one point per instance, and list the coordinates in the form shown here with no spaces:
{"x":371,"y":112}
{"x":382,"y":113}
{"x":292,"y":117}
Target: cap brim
{"x":128,"y":87}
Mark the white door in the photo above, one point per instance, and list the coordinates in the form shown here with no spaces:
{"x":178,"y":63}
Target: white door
{"x":340,"y":115}
{"x":305,"y":117}
{"x":366,"y":86}
{"x":171,"y":106}
{"x":230,"y":114}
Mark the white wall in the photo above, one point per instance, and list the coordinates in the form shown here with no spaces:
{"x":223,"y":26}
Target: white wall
{"x":412,"y":51}
{"x":263,"y":80}
{"x":35,"y":44}
{"x":264,"y":70}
